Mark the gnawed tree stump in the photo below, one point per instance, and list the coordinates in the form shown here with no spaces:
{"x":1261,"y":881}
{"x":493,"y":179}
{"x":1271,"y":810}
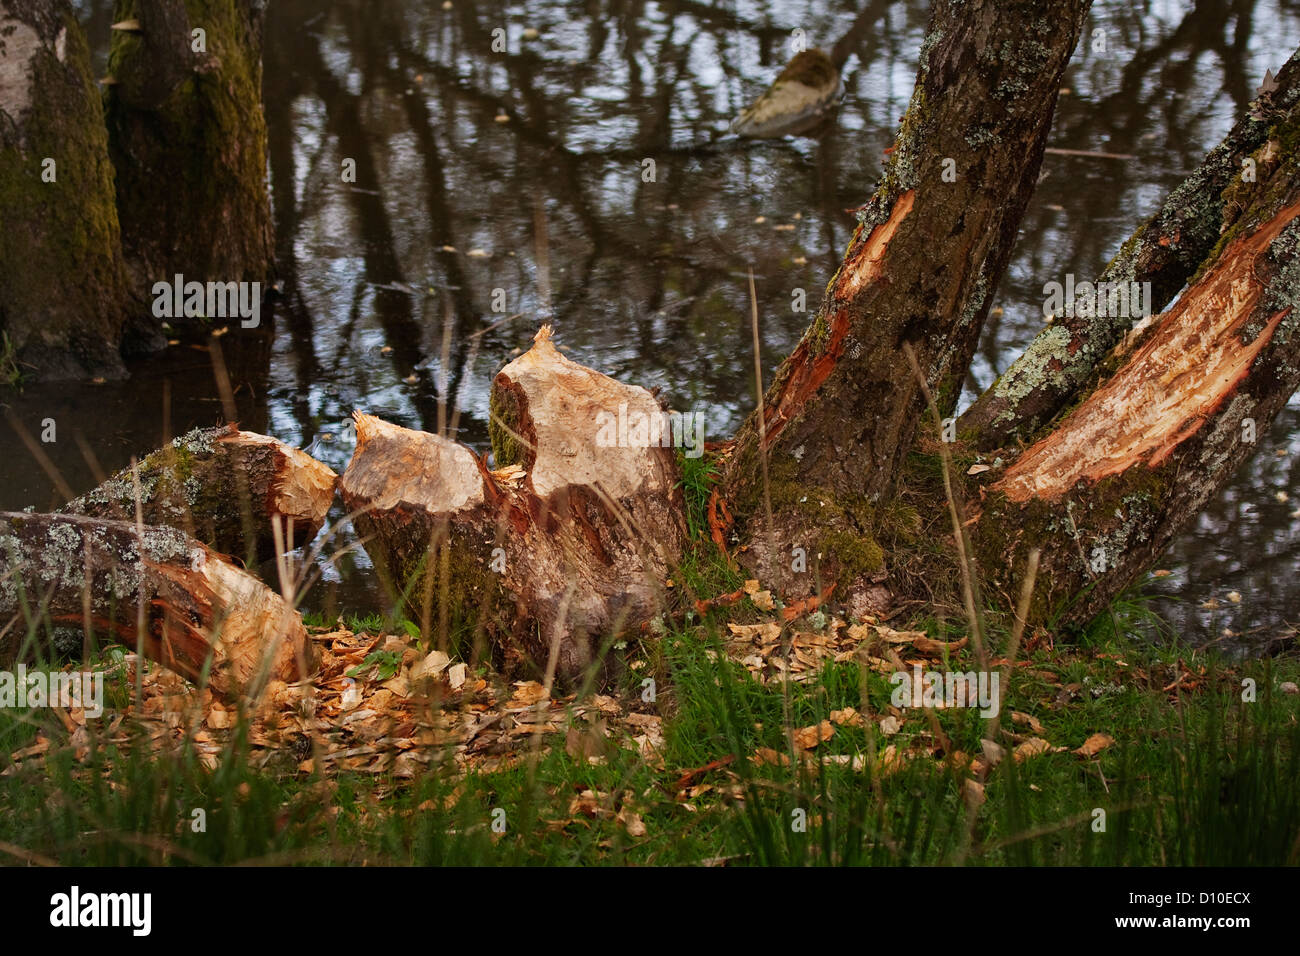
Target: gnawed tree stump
{"x":562,"y":548}
{"x":226,"y":488}
{"x":202,"y":617}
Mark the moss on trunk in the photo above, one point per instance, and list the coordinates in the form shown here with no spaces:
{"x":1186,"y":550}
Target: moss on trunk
{"x":63,"y":289}
{"x":191,"y":119}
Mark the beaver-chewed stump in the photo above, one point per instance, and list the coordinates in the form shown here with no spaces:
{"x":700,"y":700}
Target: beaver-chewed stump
{"x":227,"y":488}
{"x":557,"y":552}
{"x":187,"y":607}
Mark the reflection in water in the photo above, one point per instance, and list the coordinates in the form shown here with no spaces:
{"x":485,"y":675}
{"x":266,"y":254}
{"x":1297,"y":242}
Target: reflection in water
{"x":497,"y":184}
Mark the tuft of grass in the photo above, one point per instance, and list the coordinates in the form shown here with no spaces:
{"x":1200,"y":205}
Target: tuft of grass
{"x":1129,"y":614}
{"x":699,"y":477}
{"x":11,"y":375}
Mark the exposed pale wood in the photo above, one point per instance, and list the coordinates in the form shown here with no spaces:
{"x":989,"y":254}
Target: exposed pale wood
{"x":586,"y":533}
{"x":225,"y":487}
{"x":1176,"y":382}
{"x":1165,"y":251}
{"x":203,"y":617}
{"x":1110,"y":486}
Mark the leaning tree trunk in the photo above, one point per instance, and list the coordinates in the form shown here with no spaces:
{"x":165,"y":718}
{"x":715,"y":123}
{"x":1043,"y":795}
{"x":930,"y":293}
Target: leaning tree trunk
{"x":833,"y":430}
{"x":557,"y":552}
{"x":1115,"y":479}
{"x":63,"y":288}
{"x":188,"y":139}
{"x":186,"y":607}
{"x":1165,"y":251}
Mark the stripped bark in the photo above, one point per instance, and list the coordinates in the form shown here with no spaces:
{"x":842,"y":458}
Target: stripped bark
{"x":843,"y":410}
{"x":1122,"y":473}
{"x":1165,"y":251}
{"x":202,"y":617}
{"x":561,"y":549}
{"x":225,"y":487}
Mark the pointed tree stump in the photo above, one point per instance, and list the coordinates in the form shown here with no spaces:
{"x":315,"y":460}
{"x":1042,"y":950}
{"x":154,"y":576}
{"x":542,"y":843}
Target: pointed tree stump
{"x":202,"y":617}
{"x":226,"y":488}
{"x":561,"y":549}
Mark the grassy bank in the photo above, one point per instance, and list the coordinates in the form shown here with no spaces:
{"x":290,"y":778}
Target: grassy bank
{"x":727,"y":763}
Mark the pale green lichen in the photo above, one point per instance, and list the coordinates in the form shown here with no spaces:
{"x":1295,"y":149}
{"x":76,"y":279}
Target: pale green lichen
{"x":1033,"y":369}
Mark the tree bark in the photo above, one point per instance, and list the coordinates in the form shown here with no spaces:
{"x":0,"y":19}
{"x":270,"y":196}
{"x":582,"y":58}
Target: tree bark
{"x":1117,"y":477}
{"x":1165,"y":251}
{"x":189,"y":609}
{"x":921,"y":269}
{"x":187,"y":136}
{"x":561,"y":549}
{"x":225,"y":487}
{"x":63,"y":287}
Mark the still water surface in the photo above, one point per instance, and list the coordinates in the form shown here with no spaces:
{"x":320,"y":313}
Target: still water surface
{"x":522,"y":172}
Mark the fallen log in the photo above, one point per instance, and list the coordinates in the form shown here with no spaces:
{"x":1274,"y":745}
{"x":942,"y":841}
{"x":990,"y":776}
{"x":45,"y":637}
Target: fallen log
{"x":223,"y":486}
{"x":203,"y":617}
{"x":562,"y":548}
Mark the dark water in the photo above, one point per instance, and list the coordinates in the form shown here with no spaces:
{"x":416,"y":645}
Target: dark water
{"x":522,"y":172}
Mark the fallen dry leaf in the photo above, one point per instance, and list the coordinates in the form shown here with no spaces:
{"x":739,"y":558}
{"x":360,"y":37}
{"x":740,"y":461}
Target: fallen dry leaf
{"x":689,"y":778}
{"x":1030,"y":720}
{"x":1031,"y":748}
{"x":767,"y":631}
{"x":927,"y":645}
{"x":898,"y":637}
{"x":632,"y":822}
{"x":1095,"y":745}
{"x":527,"y":692}
{"x":848,"y":717}
{"x":808,"y":604}
{"x":766,"y":755}
{"x":433,"y":664}
{"x":806,"y":738}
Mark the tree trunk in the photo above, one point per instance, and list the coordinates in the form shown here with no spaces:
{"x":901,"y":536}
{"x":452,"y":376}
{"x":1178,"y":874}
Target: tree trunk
{"x":921,"y":269}
{"x":1121,"y":474}
{"x":63,"y":288}
{"x":188,"y":139}
{"x":553,"y":555}
{"x":190,"y":609}
{"x":1165,"y":251}
{"x":225,"y":487}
